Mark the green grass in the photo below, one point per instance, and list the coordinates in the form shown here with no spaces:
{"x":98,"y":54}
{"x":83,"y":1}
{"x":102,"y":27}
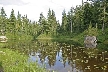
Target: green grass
{"x":13,"y":61}
{"x":44,"y":36}
{"x":63,"y":37}
{"x":101,"y":37}
{"x":105,"y":42}
{"x":79,"y":38}
{"x":11,"y":36}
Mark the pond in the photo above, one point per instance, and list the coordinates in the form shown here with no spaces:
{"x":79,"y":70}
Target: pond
{"x":64,"y":56}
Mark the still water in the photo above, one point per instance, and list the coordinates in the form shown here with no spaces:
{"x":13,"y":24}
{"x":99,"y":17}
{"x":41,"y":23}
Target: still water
{"x":65,"y":56}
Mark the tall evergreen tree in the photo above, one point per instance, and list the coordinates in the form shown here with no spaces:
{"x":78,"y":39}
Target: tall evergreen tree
{"x":87,"y":15}
{"x":70,"y":20}
{"x":42,"y":23}
{"x":54,"y":23}
{"x":19,"y":22}
{"x":3,"y":21}
{"x":78,"y":19}
{"x":64,"y":21}
{"x":12,"y":23}
{"x":25,"y":24}
{"x":50,"y":20}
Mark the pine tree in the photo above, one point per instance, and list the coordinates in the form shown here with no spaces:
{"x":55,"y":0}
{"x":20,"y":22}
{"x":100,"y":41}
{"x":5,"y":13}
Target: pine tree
{"x":3,"y":21}
{"x":19,"y":22}
{"x":42,"y":23}
{"x":54,"y":23}
{"x":49,"y":19}
{"x":70,"y":20}
{"x":25,"y":24}
{"x":87,"y":15}
{"x":64,"y":22}
{"x":12,"y":23}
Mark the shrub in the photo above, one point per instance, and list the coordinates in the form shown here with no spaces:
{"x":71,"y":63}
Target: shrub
{"x":91,"y":31}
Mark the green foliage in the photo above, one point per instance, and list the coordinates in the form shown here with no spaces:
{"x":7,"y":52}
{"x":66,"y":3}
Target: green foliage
{"x":76,"y":21}
{"x":83,"y":20}
{"x":0,"y":63}
{"x":12,"y":36}
{"x":3,"y":22}
{"x":64,"y":21}
{"x":13,"y":61}
{"x":103,"y":37}
{"x":79,"y":38}
{"x":91,"y":31}
{"x":44,"y":36}
{"x":52,"y":23}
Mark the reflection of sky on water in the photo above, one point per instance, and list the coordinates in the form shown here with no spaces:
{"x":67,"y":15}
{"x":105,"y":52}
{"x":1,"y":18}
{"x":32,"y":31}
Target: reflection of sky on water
{"x":55,"y":53}
{"x":58,"y":65}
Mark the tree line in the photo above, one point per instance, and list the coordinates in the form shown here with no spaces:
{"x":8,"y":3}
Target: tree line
{"x":77,"y":20}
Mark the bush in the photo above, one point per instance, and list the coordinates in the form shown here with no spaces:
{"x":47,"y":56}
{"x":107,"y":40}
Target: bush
{"x":13,"y":61}
{"x":91,"y":31}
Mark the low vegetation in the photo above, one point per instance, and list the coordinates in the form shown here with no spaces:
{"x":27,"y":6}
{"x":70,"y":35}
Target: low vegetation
{"x":13,"y":61}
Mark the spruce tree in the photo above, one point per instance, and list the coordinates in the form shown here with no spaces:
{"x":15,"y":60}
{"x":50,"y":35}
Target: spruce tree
{"x":64,"y":21}
{"x":3,"y":21}
{"x":12,"y":23}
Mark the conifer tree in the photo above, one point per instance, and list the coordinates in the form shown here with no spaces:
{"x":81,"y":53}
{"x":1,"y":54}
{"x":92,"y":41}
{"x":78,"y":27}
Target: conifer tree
{"x":19,"y":22}
{"x":12,"y":22}
{"x":64,"y":21}
{"x":3,"y":21}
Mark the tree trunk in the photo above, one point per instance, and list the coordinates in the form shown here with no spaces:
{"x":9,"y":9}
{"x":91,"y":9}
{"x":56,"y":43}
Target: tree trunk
{"x":103,"y":26}
{"x":71,"y":26}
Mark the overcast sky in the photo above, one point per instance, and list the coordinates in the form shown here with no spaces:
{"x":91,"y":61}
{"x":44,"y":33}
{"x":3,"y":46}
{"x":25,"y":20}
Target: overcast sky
{"x":33,"y":8}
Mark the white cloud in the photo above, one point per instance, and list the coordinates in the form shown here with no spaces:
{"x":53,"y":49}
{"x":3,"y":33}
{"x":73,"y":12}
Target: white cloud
{"x":35,"y":7}
{"x":1,"y":5}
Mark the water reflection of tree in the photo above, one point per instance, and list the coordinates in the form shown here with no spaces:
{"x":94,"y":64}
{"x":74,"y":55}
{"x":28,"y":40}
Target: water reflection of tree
{"x":77,"y":57}
{"x":84,"y":58}
{"x":49,"y":50}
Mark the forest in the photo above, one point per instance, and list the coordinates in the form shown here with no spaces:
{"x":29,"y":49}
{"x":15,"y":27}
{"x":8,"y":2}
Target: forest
{"x":86,"y":19}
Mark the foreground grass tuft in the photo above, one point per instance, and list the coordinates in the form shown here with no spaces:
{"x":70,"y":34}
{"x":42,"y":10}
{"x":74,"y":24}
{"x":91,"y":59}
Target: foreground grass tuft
{"x":13,"y":61}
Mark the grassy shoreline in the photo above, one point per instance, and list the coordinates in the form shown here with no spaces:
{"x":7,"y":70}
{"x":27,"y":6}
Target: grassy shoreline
{"x":77,"y":38}
{"x":13,"y":61}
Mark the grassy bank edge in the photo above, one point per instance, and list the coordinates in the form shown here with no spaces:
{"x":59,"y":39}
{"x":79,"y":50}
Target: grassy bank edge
{"x":77,"y":38}
{"x":13,"y":61}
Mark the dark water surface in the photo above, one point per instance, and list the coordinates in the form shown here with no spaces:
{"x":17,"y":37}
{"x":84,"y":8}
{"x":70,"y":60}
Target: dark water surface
{"x":65,"y":56}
